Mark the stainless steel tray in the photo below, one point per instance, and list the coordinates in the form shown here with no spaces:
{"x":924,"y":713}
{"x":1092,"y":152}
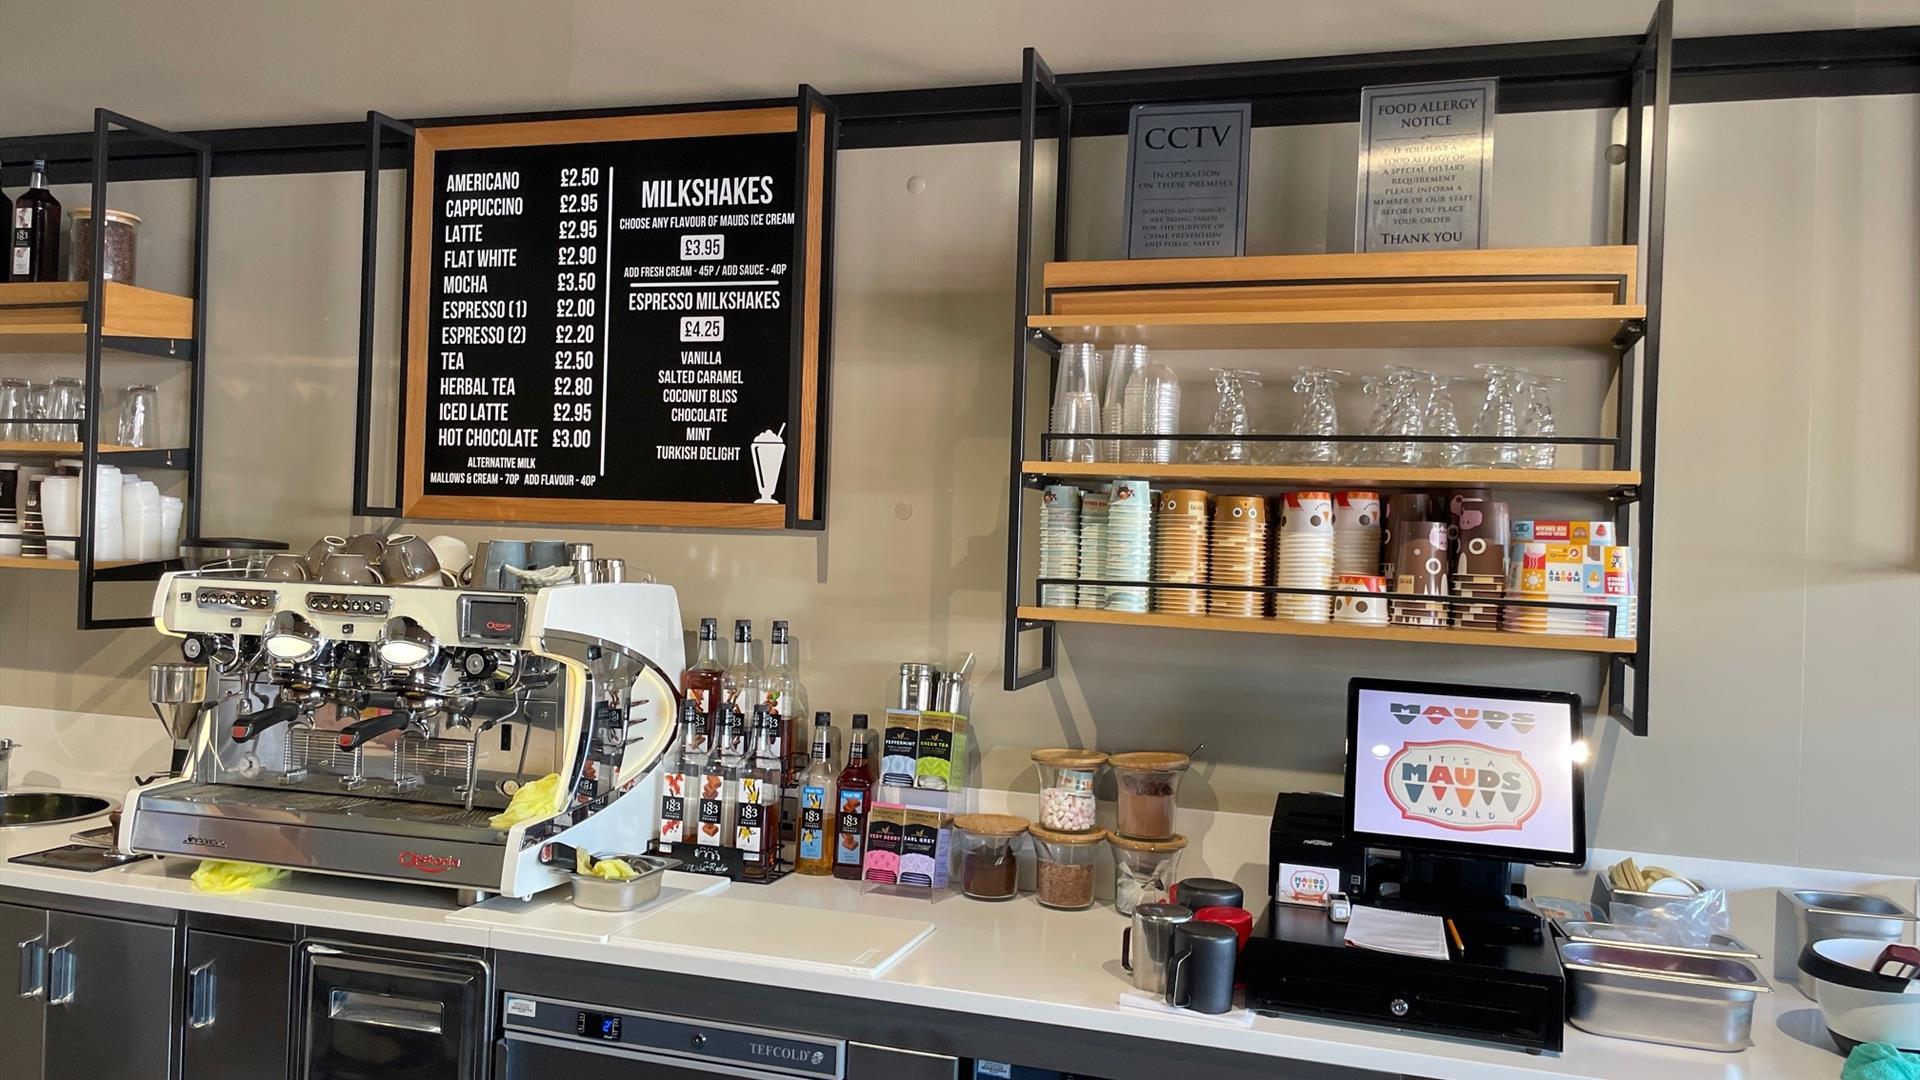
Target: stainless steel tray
{"x":1703,"y":1002}
{"x":1596,"y":933}
{"x":603,"y":894}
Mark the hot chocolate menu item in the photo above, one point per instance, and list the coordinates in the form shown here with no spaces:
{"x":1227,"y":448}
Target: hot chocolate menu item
{"x":617,"y":320}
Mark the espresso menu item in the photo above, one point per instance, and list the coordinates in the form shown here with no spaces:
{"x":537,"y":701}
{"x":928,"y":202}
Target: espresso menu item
{"x":604,"y":314}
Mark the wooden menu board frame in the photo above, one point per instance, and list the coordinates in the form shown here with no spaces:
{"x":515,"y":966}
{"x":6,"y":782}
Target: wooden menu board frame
{"x":815,"y":123}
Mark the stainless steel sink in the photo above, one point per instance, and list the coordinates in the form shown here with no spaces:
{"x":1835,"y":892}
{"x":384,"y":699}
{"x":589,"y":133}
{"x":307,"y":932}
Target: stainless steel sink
{"x":47,"y":807}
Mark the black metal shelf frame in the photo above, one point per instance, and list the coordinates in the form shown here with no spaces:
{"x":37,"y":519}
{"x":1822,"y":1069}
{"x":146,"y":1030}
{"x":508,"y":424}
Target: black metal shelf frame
{"x":153,"y":141}
{"x":1648,"y":85}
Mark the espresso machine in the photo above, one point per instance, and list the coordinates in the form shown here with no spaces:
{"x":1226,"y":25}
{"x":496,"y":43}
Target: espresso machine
{"x":374,"y":731}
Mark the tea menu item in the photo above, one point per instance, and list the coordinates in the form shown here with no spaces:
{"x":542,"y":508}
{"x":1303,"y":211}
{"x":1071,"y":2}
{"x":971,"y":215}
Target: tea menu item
{"x":943,"y":747}
{"x":619,"y":313}
{"x":886,"y":828}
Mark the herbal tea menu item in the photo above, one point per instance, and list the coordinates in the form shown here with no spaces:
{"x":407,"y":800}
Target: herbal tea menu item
{"x":1147,"y":782}
{"x":900,"y":748}
{"x":617,"y":320}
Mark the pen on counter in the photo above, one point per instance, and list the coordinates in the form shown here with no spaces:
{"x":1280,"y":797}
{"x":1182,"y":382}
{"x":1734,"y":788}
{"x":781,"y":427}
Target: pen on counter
{"x":1454,"y":932}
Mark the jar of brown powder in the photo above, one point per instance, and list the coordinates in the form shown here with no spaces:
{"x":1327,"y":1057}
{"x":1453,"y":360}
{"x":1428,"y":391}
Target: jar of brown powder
{"x":1063,"y":866}
{"x":1147,"y":782}
{"x":990,"y":855}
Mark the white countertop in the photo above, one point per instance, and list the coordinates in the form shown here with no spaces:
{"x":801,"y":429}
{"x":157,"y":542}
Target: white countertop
{"x":1015,"y":960}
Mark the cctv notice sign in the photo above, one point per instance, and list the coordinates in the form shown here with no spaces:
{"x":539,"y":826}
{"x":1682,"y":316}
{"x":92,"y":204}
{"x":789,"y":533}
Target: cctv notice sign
{"x":1426,"y":166}
{"x":1187,"y":180}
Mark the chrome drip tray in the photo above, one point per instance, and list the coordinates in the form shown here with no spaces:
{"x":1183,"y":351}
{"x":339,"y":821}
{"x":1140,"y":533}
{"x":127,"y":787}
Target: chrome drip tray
{"x":353,"y":813}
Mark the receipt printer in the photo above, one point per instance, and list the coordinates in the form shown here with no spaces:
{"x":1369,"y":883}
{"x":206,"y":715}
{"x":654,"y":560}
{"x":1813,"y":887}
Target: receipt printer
{"x":1308,"y":854}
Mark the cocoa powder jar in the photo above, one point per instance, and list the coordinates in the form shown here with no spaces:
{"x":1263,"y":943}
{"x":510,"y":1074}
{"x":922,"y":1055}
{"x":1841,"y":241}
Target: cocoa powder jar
{"x":990,"y":855}
{"x":1147,"y":781}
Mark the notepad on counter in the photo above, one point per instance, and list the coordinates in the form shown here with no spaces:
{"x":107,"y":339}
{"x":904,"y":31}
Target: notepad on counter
{"x":1404,"y":932}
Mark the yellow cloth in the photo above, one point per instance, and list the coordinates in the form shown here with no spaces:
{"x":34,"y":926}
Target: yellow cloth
{"x":536,"y":800}
{"x":611,"y":869}
{"x":215,"y":876}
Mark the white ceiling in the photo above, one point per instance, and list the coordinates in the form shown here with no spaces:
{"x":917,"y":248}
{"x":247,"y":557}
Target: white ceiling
{"x":219,"y":63}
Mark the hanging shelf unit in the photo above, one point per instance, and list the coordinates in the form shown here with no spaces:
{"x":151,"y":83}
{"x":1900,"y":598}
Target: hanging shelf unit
{"x":1605,"y":299}
{"x":93,"y":318}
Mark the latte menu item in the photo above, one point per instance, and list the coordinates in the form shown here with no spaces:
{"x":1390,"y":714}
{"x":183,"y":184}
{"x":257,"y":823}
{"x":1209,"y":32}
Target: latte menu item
{"x":617,"y":320}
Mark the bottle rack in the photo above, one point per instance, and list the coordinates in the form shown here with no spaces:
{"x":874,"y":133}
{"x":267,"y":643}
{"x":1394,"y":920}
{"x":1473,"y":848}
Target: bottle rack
{"x":1605,"y":299}
{"x":729,"y":863}
{"x":97,"y":316}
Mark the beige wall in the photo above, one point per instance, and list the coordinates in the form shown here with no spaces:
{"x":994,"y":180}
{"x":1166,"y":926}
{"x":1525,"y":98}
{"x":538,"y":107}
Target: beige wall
{"x":1788,"y":597}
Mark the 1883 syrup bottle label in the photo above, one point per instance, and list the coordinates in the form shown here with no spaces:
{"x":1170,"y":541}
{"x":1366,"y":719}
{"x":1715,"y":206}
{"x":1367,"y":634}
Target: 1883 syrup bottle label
{"x":713,"y":811}
{"x":813,"y":822}
{"x":750,"y":820}
{"x":853,"y":812}
{"x":673,"y":808}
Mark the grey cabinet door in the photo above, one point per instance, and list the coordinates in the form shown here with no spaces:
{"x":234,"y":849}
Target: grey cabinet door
{"x":884,"y":1061}
{"x":110,"y":998}
{"x":239,"y":1008}
{"x":23,"y":993}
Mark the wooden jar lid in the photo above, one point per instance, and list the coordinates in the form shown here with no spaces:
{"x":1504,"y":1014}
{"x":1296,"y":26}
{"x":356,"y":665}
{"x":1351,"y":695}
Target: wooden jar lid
{"x":1070,"y":759}
{"x":1152,"y":760}
{"x":1074,"y":839}
{"x":991,"y":824}
{"x":1156,"y":847}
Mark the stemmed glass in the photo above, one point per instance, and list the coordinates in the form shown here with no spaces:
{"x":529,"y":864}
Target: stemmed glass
{"x":1537,"y":420}
{"x":1229,"y":418}
{"x":1442,"y":420}
{"x":1499,"y":417}
{"x":1317,"y":417}
{"x":1409,"y":389}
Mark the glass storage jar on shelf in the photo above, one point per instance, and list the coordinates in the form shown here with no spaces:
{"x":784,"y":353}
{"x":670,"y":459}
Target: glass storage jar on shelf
{"x":1143,"y":870}
{"x":990,"y":854}
{"x":1063,"y":867}
{"x":1066,"y":787}
{"x":1147,"y":782}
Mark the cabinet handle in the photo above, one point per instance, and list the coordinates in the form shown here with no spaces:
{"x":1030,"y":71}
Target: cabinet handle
{"x":61,"y":984}
{"x":33,"y":967}
{"x":200,"y":1007}
{"x":384,"y":1011}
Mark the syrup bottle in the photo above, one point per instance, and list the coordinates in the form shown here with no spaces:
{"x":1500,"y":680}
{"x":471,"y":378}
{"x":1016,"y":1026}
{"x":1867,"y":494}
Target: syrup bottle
{"x":817,"y":803}
{"x":757,"y":833}
{"x":853,"y":799}
{"x":701,"y":681}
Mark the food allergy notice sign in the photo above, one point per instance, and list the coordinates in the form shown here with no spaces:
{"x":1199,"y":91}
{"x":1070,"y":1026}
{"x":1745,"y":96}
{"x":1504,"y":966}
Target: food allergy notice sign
{"x":1426,"y":165}
{"x":617,"y":320}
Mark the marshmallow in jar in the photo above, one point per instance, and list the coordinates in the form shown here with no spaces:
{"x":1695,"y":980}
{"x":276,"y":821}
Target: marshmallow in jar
{"x":1066,"y":788}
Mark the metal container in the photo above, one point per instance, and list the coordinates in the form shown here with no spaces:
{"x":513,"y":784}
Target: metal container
{"x":1804,"y":916}
{"x":1638,"y":937}
{"x":604,"y":894}
{"x":917,"y":687}
{"x":1605,"y":896}
{"x":1702,"y":1002}
{"x":6,"y":754}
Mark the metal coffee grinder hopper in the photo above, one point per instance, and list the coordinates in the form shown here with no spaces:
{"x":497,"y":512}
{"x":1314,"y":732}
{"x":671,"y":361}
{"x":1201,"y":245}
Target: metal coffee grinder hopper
{"x":178,"y":693}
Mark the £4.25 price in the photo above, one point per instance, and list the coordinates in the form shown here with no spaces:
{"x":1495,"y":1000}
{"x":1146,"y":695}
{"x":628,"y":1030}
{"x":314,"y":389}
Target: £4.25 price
{"x":703,"y":328}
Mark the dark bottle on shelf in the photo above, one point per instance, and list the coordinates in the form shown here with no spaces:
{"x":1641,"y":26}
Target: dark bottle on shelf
{"x":701,"y":680}
{"x":6,"y":215}
{"x":34,"y":251}
{"x":854,"y":799}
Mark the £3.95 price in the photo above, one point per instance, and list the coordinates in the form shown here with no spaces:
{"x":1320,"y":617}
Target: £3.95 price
{"x":700,"y":247}
{"x":703,"y":328}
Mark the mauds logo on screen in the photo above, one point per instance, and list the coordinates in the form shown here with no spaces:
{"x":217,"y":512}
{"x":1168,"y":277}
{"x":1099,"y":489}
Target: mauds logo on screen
{"x":1456,"y":784}
{"x":1408,"y":711}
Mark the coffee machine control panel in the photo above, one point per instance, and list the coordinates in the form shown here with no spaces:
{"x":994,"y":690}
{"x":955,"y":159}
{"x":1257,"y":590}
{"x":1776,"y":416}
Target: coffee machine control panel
{"x":227,"y":598}
{"x":348,"y":604}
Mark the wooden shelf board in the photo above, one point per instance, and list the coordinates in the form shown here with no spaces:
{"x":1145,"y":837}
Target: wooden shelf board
{"x":15,"y":562}
{"x":1538,"y":265}
{"x":1344,"y":631}
{"x":60,"y":449}
{"x":1579,"y":325}
{"x":1338,"y":476}
{"x":51,"y":316}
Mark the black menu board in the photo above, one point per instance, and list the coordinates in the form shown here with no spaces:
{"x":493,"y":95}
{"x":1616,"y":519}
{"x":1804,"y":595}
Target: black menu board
{"x":617,"y":320}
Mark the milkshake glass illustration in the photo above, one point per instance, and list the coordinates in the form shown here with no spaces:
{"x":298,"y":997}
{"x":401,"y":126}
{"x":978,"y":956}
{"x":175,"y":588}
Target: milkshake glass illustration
{"x":769,"y":449}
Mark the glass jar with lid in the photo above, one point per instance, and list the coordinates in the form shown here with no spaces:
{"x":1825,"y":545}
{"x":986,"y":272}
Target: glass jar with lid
{"x":1066,"y":788}
{"x":1147,"y":782}
{"x":1063,"y":866}
{"x":1143,"y":870}
{"x":990,"y":854}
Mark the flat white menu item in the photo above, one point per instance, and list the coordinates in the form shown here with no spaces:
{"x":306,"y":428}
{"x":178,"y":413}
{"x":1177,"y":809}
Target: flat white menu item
{"x":1404,"y":932}
{"x":841,"y":942}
